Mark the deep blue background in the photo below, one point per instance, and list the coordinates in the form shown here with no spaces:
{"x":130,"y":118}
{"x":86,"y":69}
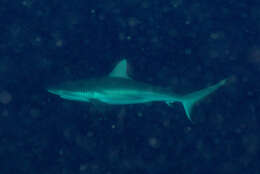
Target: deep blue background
{"x":184,"y":44}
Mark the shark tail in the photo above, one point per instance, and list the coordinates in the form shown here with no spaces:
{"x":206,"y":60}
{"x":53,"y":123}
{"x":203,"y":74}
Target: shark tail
{"x":189,"y":100}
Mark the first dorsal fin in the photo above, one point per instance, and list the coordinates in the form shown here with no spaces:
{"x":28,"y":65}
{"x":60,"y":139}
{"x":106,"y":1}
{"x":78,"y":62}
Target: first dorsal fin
{"x":120,"y":70}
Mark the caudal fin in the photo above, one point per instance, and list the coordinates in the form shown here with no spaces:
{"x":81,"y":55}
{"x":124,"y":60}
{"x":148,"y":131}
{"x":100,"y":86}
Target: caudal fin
{"x":189,"y":100}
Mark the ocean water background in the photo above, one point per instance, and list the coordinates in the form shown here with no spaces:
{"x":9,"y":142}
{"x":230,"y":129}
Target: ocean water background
{"x":186,"y":45}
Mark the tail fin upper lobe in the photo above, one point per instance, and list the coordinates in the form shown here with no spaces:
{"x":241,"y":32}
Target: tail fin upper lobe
{"x":189,"y":100}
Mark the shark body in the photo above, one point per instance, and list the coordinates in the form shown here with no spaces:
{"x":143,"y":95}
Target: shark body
{"x":119,"y":89}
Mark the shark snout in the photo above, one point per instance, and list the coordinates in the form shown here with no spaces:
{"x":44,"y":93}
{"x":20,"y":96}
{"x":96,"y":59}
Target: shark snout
{"x":60,"y":92}
{"x":52,"y":90}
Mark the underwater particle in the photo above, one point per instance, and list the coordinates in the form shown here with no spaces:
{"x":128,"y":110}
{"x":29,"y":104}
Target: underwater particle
{"x":145,"y":4}
{"x":213,"y":53}
{"x":27,"y":3}
{"x":83,"y":167}
{"x":5,"y":97}
{"x":153,"y":142}
{"x":121,"y":36}
{"x":132,"y":22}
{"x":128,"y":37}
{"x":92,"y":11}
{"x":176,"y":3}
{"x":173,"y":33}
{"x":37,"y":41}
{"x":166,"y":123}
{"x":187,"y":51}
{"x":61,"y":152}
{"x":3,"y":67}
{"x":139,"y":114}
{"x":187,"y":129}
{"x":214,"y":35}
{"x":254,"y":55}
{"x":251,"y":144}
{"x":5,"y":113}
{"x":90,"y":134}
{"x":59,"y":43}
{"x":35,"y":113}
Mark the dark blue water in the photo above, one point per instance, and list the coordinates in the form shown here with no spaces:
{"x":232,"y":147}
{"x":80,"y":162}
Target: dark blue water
{"x":186,"y":45}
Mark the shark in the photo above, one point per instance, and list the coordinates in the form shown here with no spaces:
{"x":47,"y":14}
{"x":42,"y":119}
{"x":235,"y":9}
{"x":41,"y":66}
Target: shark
{"x":118,"y":88}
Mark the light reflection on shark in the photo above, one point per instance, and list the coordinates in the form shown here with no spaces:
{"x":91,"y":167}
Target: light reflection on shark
{"x":119,"y":89}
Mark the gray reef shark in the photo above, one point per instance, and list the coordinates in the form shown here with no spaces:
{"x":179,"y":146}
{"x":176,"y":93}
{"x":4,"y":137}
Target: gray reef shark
{"x":119,"y":89}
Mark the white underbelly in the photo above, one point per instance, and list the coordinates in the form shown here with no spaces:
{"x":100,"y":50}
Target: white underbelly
{"x":129,"y":97}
